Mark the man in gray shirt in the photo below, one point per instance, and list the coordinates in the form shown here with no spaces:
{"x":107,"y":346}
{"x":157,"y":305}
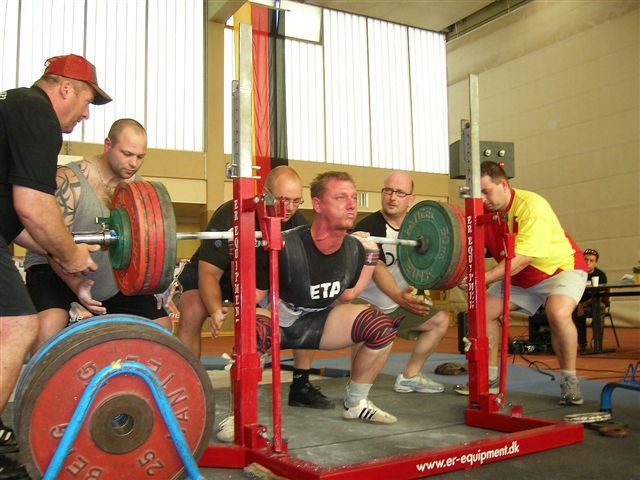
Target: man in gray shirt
{"x":84,"y":191}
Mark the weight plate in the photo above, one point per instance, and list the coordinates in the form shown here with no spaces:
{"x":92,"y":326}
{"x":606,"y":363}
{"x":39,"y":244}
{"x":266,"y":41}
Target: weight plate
{"x":120,"y":251}
{"x":124,"y":434}
{"x":154,"y":237}
{"x":457,"y":274}
{"x":170,"y":235}
{"x":131,"y":279}
{"x":439,"y":226}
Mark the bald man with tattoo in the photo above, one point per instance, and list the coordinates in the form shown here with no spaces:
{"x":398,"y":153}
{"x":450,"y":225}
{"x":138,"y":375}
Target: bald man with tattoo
{"x":84,"y":192}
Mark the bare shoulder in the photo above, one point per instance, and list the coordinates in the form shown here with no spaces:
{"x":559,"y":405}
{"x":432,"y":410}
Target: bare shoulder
{"x":65,"y":177}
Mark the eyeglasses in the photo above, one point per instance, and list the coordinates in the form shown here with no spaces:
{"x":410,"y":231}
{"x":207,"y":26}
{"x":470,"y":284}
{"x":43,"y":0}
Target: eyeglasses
{"x":399,"y":193}
{"x":296,"y":202}
{"x":591,"y":251}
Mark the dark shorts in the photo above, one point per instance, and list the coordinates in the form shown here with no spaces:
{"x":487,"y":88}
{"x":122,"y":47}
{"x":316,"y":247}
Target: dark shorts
{"x":188,"y":278}
{"x":14,"y":299}
{"x":408,"y":328}
{"x":306,"y":332}
{"x":47,"y":291}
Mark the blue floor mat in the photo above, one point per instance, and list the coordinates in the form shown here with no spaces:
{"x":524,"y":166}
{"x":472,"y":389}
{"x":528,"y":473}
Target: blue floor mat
{"x":520,"y":379}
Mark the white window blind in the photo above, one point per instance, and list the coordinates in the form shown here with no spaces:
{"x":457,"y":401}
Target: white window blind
{"x":149,"y":56}
{"x":305,"y":101}
{"x":348,"y":133}
{"x":429,"y":101}
{"x":390,"y":96}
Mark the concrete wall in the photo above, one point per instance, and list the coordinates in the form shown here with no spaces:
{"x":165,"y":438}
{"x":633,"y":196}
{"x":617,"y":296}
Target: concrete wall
{"x":560,"y":79}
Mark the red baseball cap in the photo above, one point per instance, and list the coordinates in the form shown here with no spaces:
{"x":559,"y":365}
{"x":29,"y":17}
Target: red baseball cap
{"x":77,"y":68}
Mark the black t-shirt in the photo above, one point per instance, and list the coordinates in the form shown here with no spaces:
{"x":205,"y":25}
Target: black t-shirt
{"x":216,"y":252}
{"x":309,"y":278}
{"x":602,"y":279}
{"x":30,"y":140}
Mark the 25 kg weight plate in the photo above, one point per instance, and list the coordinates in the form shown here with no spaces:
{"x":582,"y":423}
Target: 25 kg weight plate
{"x":439,"y":225}
{"x":124,"y":435}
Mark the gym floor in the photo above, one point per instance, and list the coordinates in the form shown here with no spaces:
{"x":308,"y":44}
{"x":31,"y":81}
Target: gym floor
{"x":431,"y":421}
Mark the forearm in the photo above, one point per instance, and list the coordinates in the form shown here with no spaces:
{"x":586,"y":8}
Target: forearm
{"x":366,"y":276}
{"x":25,"y":240}
{"x":73,"y":280}
{"x":41,"y":216}
{"x":386,"y":283}
{"x":209,"y":287}
{"x":518,"y":263}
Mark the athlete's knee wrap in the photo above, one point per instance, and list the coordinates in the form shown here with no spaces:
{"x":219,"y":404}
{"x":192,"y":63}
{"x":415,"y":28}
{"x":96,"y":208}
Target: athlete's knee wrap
{"x":263,"y":333}
{"x":374,"y":328}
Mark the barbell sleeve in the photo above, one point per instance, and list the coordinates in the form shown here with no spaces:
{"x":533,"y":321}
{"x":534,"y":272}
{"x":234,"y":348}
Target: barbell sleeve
{"x":393,"y":241}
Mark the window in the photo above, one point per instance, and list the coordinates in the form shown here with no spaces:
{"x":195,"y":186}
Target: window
{"x":149,"y":57}
{"x":370,"y":93}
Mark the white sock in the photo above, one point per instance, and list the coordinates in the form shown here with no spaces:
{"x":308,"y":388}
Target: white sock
{"x":568,"y":373}
{"x":356,"y":392}
{"x":493,"y":373}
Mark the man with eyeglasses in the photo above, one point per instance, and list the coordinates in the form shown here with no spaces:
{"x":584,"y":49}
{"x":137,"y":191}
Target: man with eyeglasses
{"x":548,"y":269}
{"x":206,"y":284}
{"x":583,"y":310}
{"x":391,"y":293}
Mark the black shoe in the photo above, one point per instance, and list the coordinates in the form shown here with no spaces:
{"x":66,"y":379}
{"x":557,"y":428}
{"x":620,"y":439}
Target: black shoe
{"x":8,"y":443}
{"x":309,"y":396}
{"x":11,"y":470}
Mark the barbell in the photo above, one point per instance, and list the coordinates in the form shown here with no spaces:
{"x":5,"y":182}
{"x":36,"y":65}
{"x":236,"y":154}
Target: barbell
{"x":141,"y":238}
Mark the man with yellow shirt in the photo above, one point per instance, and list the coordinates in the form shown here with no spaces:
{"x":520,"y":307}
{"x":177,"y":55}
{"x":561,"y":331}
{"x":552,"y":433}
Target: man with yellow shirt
{"x":548,"y":269}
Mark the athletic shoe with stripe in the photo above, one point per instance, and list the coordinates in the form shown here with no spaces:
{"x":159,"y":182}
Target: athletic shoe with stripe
{"x":366,"y":411}
{"x":494,"y":387}
{"x":570,"y":393}
{"x":418,"y":383}
{"x":226,"y":430}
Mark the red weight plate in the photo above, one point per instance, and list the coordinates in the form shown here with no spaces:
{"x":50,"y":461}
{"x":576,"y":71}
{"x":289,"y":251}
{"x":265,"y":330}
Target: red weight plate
{"x":155,"y":237}
{"x":461,"y":269}
{"x":130,"y":280}
{"x":170,"y":237}
{"x":458,"y":261}
{"x":124,"y":435}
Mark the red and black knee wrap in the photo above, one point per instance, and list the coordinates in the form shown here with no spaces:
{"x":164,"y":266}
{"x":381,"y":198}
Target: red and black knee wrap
{"x":263,"y":333}
{"x":374,"y":328}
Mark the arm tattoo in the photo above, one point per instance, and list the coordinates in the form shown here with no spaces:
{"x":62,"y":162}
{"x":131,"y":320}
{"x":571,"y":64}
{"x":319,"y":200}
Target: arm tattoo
{"x":67,"y":195}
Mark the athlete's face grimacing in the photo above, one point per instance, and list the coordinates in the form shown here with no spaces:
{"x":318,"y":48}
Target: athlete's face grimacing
{"x":339,"y":204}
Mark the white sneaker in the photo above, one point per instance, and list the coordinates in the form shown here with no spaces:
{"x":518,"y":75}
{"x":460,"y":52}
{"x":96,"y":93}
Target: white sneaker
{"x":367,"y":412}
{"x":226,"y":430}
{"x":418,"y":383}
{"x":494,"y":387}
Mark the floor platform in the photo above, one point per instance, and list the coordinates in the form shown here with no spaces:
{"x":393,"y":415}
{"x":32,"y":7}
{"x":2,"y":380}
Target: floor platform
{"x":427,"y":421}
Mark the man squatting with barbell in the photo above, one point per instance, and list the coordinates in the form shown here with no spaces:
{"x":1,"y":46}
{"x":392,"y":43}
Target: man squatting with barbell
{"x":84,"y":192}
{"x":206,"y":284}
{"x":322,"y":269}
{"x":32,"y":121}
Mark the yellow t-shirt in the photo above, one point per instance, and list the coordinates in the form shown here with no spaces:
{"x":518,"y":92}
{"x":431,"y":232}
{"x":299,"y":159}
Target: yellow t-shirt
{"x":538,"y":234}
